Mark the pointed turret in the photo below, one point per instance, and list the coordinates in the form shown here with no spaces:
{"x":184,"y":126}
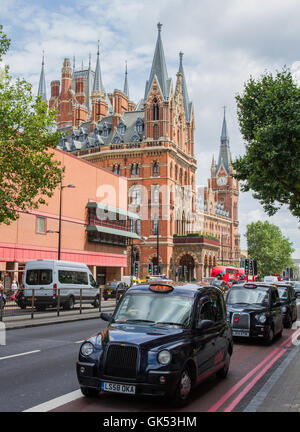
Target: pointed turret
{"x":98,"y":85}
{"x":224,"y":154}
{"x":186,"y":101}
{"x":159,"y":68}
{"x":42,"y":83}
{"x":126,"y":89}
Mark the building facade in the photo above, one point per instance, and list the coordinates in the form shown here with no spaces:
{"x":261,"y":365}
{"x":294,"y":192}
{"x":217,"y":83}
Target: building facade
{"x":93,"y":230}
{"x":152,"y":145}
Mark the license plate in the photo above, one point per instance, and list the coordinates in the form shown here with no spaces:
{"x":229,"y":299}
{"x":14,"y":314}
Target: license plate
{"x":240,"y":333}
{"x":117,"y":388}
{"x":30,"y":299}
{"x":109,"y":291}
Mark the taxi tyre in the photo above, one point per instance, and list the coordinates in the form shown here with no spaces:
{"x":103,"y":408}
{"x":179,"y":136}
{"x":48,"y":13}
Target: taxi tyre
{"x":288,"y":321}
{"x":222,"y":373}
{"x":181,"y":397}
{"x":89,"y":392}
{"x":269,"y":337}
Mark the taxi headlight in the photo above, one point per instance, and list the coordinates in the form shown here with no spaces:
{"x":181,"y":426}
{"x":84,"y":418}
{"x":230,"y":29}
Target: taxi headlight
{"x":284,"y":309}
{"x":87,"y":349}
{"x":261,"y":318}
{"x":164,"y":357}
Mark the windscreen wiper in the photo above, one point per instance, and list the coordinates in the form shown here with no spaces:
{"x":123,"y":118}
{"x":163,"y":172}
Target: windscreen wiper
{"x":138,"y":320}
{"x":169,"y":323}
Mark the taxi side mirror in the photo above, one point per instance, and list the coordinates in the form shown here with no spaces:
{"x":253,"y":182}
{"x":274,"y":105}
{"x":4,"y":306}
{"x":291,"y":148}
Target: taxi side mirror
{"x":204,"y":324}
{"x":106,"y":316}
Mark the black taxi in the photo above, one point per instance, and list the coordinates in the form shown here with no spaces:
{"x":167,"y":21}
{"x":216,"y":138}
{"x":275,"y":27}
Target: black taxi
{"x":162,"y":340}
{"x":254,"y":311}
{"x":287,"y":297}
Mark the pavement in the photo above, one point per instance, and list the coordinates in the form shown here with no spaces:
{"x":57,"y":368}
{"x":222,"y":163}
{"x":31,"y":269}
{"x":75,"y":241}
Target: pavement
{"x":47,"y":318}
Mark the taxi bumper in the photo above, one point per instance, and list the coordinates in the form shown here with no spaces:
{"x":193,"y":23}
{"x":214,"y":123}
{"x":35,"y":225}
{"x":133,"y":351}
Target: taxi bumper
{"x":157,"y":383}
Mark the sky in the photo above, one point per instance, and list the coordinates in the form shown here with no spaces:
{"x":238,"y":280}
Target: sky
{"x":224,"y":43}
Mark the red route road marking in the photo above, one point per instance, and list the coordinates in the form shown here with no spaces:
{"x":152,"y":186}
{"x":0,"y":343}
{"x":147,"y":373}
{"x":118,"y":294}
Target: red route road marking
{"x":227,"y":395}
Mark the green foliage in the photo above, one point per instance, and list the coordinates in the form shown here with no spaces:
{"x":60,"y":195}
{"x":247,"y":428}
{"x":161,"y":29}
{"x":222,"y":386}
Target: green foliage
{"x":197,"y":234}
{"x":269,"y":118}
{"x":28,"y":172}
{"x":269,"y":247}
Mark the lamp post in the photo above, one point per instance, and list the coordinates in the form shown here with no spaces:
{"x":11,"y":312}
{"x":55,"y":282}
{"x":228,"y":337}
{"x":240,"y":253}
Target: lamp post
{"x":59,"y":220}
{"x":157,"y":246}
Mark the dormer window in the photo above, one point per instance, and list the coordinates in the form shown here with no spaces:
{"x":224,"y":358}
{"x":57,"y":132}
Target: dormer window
{"x":139,"y":126}
{"x":121,"y":127}
{"x":105,"y":131}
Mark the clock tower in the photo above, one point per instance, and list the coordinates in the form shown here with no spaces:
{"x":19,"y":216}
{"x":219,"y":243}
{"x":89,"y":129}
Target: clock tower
{"x":226,"y":188}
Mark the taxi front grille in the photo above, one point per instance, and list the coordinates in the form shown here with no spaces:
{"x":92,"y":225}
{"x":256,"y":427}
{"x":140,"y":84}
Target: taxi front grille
{"x":121,"y":361}
{"x":240,"y":321}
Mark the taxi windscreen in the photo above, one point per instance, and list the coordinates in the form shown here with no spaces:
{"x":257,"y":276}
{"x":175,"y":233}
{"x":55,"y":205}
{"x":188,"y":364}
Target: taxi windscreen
{"x":248,"y":296}
{"x":155,"y":310}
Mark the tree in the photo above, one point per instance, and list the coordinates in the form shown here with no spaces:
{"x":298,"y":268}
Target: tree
{"x":269,"y":247}
{"x":269,"y":119}
{"x":28,"y":171}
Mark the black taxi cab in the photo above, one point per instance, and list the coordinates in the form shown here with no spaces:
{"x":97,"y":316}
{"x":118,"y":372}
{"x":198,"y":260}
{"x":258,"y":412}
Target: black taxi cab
{"x":162,"y":340}
{"x":287,"y":297}
{"x":254,"y":311}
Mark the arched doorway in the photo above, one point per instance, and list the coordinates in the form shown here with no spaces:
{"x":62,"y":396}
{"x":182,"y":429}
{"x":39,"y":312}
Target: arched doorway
{"x":187,"y":268}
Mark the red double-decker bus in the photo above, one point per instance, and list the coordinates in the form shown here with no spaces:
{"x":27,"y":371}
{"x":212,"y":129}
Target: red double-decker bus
{"x":230,"y":274}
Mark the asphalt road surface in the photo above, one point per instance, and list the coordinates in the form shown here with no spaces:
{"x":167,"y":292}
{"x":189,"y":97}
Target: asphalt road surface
{"x":37,"y":371}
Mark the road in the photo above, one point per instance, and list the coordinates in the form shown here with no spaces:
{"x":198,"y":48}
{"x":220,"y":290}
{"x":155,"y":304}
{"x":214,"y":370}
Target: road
{"x":37,"y":371}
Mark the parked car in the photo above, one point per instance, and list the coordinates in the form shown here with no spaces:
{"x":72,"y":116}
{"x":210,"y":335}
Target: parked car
{"x":254,"y":311}
{"x":112,"y":288}
{"x":297,"y":289}
{"x":71,"y":280}
{"x":288,"y":303}
{"x":162,"y":340}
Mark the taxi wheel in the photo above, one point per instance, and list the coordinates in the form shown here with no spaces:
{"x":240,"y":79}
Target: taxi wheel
{"x":88,"y":392}
{"x":270,"y":336}
{"x":183,"y":389}
{"x":288,"y":322}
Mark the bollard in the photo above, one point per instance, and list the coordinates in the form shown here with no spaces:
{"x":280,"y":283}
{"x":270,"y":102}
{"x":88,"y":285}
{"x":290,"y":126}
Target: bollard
{"x":58,"y":302}
{"x":100,"y":298}
{"x":80,"y":309}
{"x":32,"y":303}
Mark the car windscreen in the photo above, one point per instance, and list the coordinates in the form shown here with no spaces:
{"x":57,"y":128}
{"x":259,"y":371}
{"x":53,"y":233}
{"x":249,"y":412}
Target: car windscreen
{"x":283,"y":292}
{"x":39,"y":277}
{"x":297,"y":285}
{"x":155,"y":309}
{"x":248,"y":296}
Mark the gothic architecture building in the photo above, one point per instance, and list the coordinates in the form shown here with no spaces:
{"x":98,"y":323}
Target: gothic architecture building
{"x":152,"y":144}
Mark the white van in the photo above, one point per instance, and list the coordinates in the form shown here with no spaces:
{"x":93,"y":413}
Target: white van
{"x":46,"y":277}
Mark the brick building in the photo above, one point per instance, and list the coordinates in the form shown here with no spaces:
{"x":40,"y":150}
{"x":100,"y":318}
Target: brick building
{"x":152,"y":144}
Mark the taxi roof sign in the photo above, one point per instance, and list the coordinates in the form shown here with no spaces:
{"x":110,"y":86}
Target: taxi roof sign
{"x":161,"y":287}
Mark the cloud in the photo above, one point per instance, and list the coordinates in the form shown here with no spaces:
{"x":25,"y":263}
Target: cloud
{"x":223,"y":44}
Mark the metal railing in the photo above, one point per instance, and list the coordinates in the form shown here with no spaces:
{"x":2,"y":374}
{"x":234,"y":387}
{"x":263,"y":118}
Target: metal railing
{"x":62,"y":302}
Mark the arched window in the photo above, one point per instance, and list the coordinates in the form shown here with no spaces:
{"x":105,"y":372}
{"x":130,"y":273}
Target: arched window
{"x":155,"y":132}
{"x":133,"y":171}
{"x":171,"y":170}
{"x":119,"y":169}
{"x":155,"y":194}
{"x":155,"y":110}
{"x":137,"y":169}
{"x":114,"y":169}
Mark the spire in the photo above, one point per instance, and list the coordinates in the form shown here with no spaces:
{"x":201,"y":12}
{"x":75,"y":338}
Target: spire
{"x":224,"y":153}
{"x":159,"y":68}
{"x":98,"y":86}
{"x":126,"y":89}
{"x":184,"y":89}
{"x":42,"y":83}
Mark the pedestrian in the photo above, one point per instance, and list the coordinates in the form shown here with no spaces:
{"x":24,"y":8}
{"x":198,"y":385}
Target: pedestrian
{"x":14,"y":287}
{"x":1,"y":287}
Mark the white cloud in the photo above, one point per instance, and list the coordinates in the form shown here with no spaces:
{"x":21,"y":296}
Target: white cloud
{"x":223,"y":44}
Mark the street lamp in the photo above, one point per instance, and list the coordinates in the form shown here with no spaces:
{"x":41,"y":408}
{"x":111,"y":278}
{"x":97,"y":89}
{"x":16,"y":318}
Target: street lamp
{"x":59,"y":223}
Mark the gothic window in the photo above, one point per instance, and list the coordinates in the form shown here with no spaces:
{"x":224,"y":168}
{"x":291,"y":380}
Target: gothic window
{"x":105,"y":130}
{"x":121,"y":127}
{"x":119,"y":169}
{"x":133,"y":170}
{"x":135,"y":138}
{"x":155,"y":132}
{"x":114,"y":169}
{"x":137,"y":169}
{"x":155,"y":110}
{"x":155,"y":194}
{"x":171,"y":170}
{"x":117,"y":139}
{"x":138,"y":227}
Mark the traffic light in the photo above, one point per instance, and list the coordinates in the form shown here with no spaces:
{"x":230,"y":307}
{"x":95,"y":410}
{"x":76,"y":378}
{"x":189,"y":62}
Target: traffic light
{"x":250,"y":267}
{"x":255,"y":267}
{"x":136,"y":268}
{"x":246,"y":266}
{"x":150,"y":268}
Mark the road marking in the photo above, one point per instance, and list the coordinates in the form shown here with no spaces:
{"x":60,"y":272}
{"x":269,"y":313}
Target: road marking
{"x":55,"y":403}
{"x":18,"y":355}
{"x":276,"y":351}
